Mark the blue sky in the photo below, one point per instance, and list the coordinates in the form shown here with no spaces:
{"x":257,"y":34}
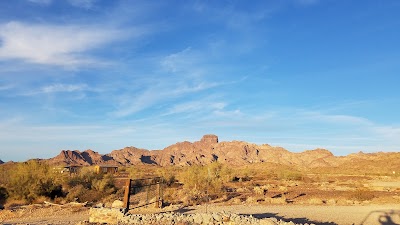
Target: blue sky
{"x":102,"y":75}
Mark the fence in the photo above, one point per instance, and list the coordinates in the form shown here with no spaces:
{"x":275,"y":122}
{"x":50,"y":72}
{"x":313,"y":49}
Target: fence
{"x":143,"y":192}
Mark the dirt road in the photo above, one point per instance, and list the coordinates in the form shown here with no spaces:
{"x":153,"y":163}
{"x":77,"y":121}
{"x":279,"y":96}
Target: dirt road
{"x":320,"y":215}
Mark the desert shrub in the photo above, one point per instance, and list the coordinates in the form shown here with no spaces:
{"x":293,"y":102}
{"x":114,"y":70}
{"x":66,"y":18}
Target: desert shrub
{"x":30,"y":180}
{"x":289,"y":175}
{"x":3,"y":195}
{"x":76,"y":192}
{"x":245,"y":173}
{"x":81,"y":194}
{"x":168,"y":175}
{"x":202,"y":181}
{"x":85,"y":177}
{"x":90,"y":186}
{"x":260,"y":190}
{"x":105,"y":185}
{"x":362,"y":194}
{"x":135,"y":173}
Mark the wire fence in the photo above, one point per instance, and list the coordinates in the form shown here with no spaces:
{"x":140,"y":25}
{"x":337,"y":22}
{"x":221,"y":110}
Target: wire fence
{"x":144,"y":192}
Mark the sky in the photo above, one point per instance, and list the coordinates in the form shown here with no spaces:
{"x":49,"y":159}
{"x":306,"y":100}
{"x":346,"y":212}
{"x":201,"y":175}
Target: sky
{"x":103,"y":75}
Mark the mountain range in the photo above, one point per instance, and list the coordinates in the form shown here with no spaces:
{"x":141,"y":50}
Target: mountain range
{"x":209,"y":149}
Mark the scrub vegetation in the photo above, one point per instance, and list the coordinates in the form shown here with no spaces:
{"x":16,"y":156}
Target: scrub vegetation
{"x":259,"y":183}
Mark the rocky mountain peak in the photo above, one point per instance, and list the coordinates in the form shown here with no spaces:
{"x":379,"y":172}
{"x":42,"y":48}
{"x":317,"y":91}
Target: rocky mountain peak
{"x":209,"y":139}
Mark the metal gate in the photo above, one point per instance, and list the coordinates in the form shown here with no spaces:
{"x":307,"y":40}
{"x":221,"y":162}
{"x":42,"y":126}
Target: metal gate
{"x":143,"y":192}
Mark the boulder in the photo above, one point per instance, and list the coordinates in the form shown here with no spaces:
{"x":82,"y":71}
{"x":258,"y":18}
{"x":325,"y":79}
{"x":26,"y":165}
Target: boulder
{"x":117,"y":204}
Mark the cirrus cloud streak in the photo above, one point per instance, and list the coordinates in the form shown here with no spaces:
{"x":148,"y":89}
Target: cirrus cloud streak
{"x":60,"y":45}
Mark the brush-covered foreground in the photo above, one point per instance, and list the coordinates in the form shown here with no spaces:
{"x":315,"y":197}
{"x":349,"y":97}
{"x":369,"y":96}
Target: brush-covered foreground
{"x":264,"y":190}
{"x":261,"y":183}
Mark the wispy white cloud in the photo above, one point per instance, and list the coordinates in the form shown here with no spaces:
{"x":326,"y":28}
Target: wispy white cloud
{"x":180,"y":61}
{"x":181,"y":74}
{"x":63,"y":88}
{"x":228,"y":113}
{"x":56,"y":88}
{"x":194,"y":107}
{"x":333,"y":118}
{"x":54,"y":44}
{"x":156,"y":94}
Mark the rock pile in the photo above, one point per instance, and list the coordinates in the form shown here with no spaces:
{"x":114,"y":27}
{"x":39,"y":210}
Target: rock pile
{"x":182,"y":219}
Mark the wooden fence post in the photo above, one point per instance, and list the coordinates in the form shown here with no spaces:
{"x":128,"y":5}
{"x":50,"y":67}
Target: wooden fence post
{"x":127,"y":194}
{"x":158,"y":196}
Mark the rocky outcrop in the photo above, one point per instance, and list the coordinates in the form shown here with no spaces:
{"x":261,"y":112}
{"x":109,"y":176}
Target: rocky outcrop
{"x":209,"y":139}
{"x":85,"y":158}
{"x":1,"y":162}
{"x":133,"y":156}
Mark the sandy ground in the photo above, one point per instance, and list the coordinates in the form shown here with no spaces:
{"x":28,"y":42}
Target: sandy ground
{"x":44,"y":215}
{"x":320,"y":215}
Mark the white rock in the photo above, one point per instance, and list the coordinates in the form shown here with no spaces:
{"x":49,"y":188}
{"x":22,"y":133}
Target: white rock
{"x":117,"y":204}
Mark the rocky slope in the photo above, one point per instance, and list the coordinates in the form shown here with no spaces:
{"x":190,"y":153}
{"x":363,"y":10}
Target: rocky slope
{"x":209,"y":149}
{"x":88,"y":157}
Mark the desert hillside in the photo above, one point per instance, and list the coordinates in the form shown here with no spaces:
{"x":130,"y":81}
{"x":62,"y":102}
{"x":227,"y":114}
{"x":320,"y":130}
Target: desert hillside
{"x":209,"y":149}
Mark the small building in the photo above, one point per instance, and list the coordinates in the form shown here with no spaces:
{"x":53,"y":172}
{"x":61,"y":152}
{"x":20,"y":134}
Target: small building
{"x":105,"y":169}
{"x":71,"y":169}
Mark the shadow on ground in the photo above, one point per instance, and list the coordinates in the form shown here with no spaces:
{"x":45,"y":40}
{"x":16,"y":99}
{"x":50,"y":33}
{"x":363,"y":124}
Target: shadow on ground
{"x":383,"y":217}
{"x":182,"y":210}
{"x":295,"y":220}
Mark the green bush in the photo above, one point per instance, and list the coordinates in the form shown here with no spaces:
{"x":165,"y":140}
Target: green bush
{"x":168,"y":174}
{"x":104,"y":185}
{"x":31,"y":180}
{"x":89,"y":186}
{"x":205,"y":181}
{"x":35,"y":181}
{"x":84,"y":177}
{"x":3,"y":195}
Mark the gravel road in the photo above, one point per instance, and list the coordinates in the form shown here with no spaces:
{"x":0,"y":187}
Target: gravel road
{"x":320,"y":215}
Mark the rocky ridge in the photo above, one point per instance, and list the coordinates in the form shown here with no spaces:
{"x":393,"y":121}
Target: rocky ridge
{"x":209,"y":149}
